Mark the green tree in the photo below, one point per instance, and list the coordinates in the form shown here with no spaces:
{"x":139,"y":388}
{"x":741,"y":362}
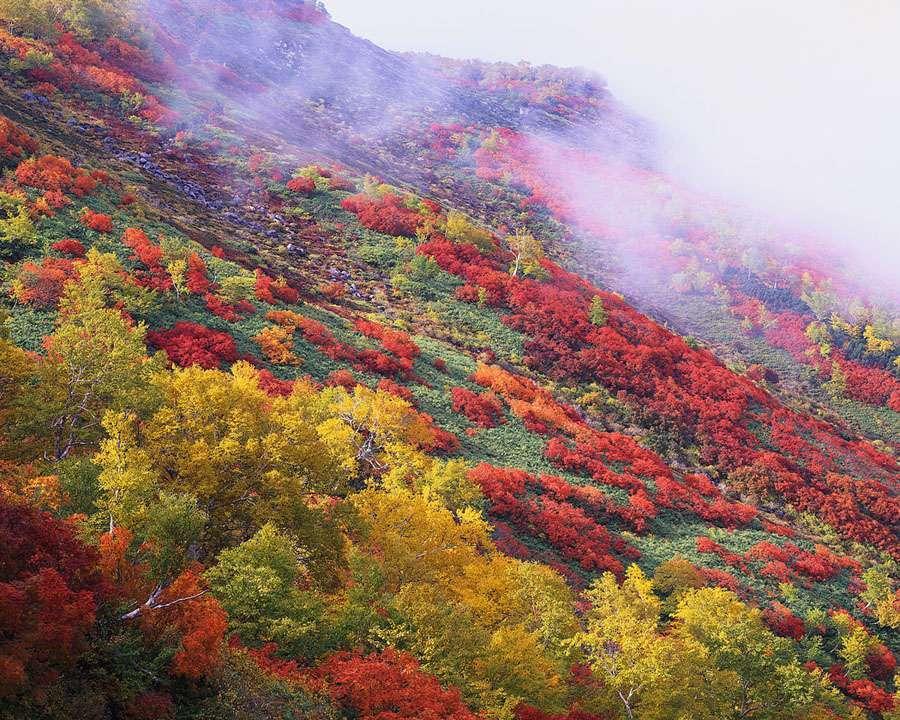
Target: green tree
{"x":89,"y":19}
{"x":256,"y":582}
{"x":761,"y":676}
{"x":17,"y":231}
{"x":598,"y":312}
{"x":459,"y":229}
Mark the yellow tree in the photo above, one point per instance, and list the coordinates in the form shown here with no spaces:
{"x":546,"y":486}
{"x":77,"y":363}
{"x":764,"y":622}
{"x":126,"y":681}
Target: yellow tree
{"x":246,"y":456}
{"x":459,"y":229}
{"x":379,"y":421}
{"x":648,"y":674}
{"x":528,"y":253}
{"x":95,"y":361}
{"x":16,"y":368}
{"x":761,"y":674}
{"x":417,"y":538}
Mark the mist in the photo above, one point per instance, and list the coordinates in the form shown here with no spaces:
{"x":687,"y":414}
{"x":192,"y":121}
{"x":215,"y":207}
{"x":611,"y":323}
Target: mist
{"x":791,"y":109}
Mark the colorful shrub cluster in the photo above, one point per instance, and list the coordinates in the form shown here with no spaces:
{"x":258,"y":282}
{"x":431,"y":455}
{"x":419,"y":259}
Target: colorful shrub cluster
{"x":271,"y":291}
{"x":207,"y":539}
{"x":684,"y":387}
{"x":387,"y":214}
{"x":97,"y":221}
{"x":551,"y":508}
{"x":15,"y":143}
{"x":51,"y":172}
{"x":154,"y":274}
{"x":484,"y":409}
{"x":188,"y":343}
{"x":41,"y":285}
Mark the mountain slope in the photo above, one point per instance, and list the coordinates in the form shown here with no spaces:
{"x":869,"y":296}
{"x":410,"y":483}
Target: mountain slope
{"x":214,"y":200}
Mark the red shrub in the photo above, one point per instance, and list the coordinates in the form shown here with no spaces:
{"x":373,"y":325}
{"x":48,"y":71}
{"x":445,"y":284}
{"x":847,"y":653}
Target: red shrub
{"x":386,"y":215}
{"x":389,"y":386}
{"x":271,"y":291}
{"x":572,"y":532}
{"x":778,"y":529}
{"x":873,"y":698}
{"x":14,"y":142}
{"x":96,"y":221}
{"x":274,"y":385}
{"x":869,"y":385}
{"x":228,"y":311}
{"x":881,"y":663}
{"x":42,"y":285}
{"x":484,"y":410}
{"x":396,"y":342}
{"x":150,"y":256}
{"x":49,"y":591}
{"x":188,"y":343}
{"x":69,"y":246}
{"x":783,"y":622}
{"x":55,"y":199}
{"x":776,"y":570}
{"x":341,"y":378}
{"x":195,"y":278}
{"x":303,"y":185}
{"x":390,"y":686}
{"x":721,"y":578}
{"x":444,"y":440}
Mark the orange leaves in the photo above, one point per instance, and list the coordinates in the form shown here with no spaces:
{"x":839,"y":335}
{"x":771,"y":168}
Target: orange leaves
{"x":14,"y":142}
{"x":51,"y":172}
{"x":303,"y":185}
{"x":22,"y":483}
{"x":504,"y":382}
{"x":197,"y":618}
{"x":128,"y":580}
{"x":390,"y":686}
{"x":42,"y":285}
{"x":334,"y":290}
{"x":277,"y":345}
{"x":69,"y":246}
{"x":99,"y":222}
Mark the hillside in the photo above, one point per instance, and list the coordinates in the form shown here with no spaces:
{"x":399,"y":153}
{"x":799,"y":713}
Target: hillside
{"x":336,"y":382}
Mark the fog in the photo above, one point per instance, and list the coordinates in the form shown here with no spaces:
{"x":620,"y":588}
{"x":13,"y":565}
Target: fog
{"x":792,"y":108}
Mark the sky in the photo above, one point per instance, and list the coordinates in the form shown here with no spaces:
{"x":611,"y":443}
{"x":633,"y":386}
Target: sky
{"x":792,"y":106}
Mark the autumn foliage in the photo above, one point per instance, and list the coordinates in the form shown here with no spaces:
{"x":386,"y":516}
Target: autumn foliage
{"x":390,"y":686}
{"x":387,"y":214}
{"x":188,"y":344}
{"x":49,"y":592}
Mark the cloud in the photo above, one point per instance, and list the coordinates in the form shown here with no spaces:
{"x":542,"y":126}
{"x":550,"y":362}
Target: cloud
{"x":792,"y":108}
